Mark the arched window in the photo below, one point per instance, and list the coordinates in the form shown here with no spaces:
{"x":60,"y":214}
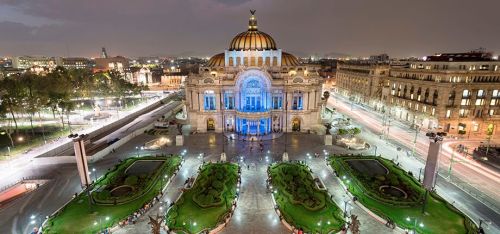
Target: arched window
{"x":259,"y":61}
{"x":297,"y":100}
{"x":465,"y":93}
{"x":209,"y":100}
{"x":435,"y":97}
{"x":231,"y":62}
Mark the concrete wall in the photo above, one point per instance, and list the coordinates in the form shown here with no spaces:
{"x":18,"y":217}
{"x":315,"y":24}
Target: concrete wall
{"x":99,"y":155}
{"x":68,"y":146}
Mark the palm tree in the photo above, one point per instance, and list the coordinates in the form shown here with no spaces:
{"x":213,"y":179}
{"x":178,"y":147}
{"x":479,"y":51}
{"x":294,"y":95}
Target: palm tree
{"x":354,"y":224}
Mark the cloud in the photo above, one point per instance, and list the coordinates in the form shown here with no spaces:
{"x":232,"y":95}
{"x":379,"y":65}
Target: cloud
{"x":358,"y":27}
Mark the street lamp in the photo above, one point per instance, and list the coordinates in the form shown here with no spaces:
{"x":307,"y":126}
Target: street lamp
{"x":137,"y":150}
{"x":95,"y":174}
{"x":346,"y":201}
{"x":421,"y":225}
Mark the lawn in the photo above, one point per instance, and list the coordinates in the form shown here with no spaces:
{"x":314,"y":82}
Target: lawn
{"x":362,"y":182}
{"x":208,"y":202}
{"x":76,"y":216}
{"x":24,"y":140}
{"x":301,"y":203}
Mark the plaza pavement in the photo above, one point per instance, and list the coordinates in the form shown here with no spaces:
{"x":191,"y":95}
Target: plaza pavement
{"x":254,"y":213}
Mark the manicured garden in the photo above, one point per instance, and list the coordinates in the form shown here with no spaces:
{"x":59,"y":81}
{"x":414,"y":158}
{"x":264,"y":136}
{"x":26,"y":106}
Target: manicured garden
{"x":301,"y":203}
{"x":209,"y":201}
{"x":393,"y":194}
{"x":120,"y":192}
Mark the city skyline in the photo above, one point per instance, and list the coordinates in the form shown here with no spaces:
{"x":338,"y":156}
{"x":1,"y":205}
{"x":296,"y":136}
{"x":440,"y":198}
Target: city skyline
{"x":59,"y":28}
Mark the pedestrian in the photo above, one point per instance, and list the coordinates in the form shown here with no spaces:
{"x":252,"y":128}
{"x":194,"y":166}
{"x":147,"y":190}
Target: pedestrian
{"x":248,"y":166}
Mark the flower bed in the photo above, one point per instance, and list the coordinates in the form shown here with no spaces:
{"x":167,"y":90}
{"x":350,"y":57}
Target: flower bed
{"x":209,"y":202}
{"x":299,"y":200}
{"x":365,"y":186}
{"x":76,"y":217}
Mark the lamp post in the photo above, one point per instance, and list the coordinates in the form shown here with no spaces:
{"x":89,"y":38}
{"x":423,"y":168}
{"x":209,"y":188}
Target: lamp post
{"x":375,"y":148}
{"x":346,"y":201}
{"x":414,"y":231}
{"x":95,"y":174}
{"x":137,"y":150}
{"x":417,"y":130}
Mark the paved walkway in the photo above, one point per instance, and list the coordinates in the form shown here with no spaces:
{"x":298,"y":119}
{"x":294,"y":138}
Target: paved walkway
{"x":255,"y":212}
{"x":368,"y":224}
{"x":172,"y":192}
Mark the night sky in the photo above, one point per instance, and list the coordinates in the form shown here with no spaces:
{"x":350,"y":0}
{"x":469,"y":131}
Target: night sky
{"x":400,"y":28}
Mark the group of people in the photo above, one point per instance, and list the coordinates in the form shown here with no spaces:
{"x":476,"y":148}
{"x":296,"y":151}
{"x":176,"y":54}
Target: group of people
{"x":132,"y":219}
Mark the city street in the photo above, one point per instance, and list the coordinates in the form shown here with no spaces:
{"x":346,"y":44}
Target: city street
{"x":478,"y":197}
{"x":63,"y":180}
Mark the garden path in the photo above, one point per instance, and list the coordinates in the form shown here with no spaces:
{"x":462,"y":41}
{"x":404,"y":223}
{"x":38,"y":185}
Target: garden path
{"x":367,"y":223}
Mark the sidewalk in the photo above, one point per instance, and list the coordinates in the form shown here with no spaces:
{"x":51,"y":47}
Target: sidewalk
{"x":368,"y":224}
{"x":172,"y":192}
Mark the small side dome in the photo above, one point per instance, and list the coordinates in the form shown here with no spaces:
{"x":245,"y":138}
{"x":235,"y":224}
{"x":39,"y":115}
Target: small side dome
{"x":289,"y":60}
{"x":217,"y":60}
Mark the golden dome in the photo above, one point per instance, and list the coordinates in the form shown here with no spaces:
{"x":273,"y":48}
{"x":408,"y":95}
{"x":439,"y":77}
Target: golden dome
{"x":217,"y":60}
{"x":288,"y":60}
{"x":252,"y":39}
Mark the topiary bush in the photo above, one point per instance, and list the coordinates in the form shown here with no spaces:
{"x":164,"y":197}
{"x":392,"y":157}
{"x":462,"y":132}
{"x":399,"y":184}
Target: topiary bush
{"x":131,"y":180}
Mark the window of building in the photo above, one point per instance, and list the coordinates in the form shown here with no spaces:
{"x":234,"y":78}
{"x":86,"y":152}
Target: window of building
{"x":277,"y":102}
{"x":229,"y":100}
{"x":480,"y":93}
{"x":479,"y":102}
{"x":209,"y":103}
{"x":448,"y":114}
{"x":491,"y":112}
{"x":462,"y":128}
{"x":465,"y":93}
{"x":475,"y":127}
{"x":433,"y":111}
{"x":297,"y":100}
{"x":462,"y":113}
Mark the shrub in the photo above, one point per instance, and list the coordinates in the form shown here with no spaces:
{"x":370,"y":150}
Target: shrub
{"x":131,"y":180}
{"x":217,"y":185}
{"x":103,"y":195}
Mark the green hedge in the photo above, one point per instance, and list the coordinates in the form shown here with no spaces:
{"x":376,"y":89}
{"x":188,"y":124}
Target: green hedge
{"x":301,"y":203}
{"x":76,"y":218}
{"x":208,"y":202}
{"x":440,"y":216}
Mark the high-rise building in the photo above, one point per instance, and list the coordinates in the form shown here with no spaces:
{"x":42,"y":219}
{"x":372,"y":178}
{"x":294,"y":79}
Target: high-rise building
{"x":104,"y":54}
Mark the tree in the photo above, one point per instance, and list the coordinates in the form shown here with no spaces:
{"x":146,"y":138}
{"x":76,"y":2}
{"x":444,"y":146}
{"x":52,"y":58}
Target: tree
{"x":156,"y":223}
{"x":355,"y":131}
{"x":12,"y":94}
{"x":342,"y":131}
{"x":354,"y":224}
{"x":34,"y":95}
{"x":326,"y":95}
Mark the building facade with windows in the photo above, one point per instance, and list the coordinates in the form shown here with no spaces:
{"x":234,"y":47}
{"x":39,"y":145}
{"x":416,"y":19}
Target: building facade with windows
{"x":456,"y":93}
{"x":254,"y":88}
{"x":362,"y":81}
